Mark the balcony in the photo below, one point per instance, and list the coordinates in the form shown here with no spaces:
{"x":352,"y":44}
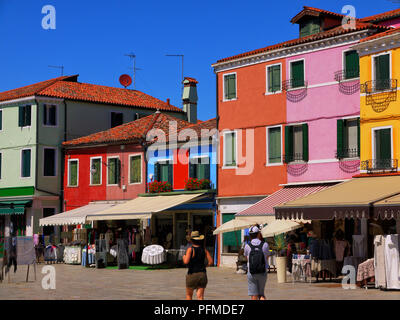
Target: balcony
{"x":347,"y":74}
{"x":380,"y":165}
{"x":293,"y":84}
{"x":347,"y":153}
{"x":295,"y":157}
{"x":380,"y":85}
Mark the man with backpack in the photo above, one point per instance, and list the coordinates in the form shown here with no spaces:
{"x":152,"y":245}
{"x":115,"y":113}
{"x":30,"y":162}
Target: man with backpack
{"x":257,"y":252}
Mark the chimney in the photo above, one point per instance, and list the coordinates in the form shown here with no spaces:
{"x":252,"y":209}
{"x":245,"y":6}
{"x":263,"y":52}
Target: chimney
{"x":189,"y":99}
{"x":168,"y":103}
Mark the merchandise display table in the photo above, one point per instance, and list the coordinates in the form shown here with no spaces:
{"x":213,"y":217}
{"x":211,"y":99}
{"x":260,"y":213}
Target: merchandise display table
{"x":154,"y":254}
{"x":73,"y":255}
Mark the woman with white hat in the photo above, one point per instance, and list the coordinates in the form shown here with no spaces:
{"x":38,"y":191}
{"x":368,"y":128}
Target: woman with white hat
{"x":195,"y":257}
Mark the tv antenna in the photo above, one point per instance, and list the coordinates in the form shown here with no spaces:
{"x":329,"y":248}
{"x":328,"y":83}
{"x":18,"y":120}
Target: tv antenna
{"x":178,"y":55}
{"x":133,"y":57}
{"x":59,"y":67}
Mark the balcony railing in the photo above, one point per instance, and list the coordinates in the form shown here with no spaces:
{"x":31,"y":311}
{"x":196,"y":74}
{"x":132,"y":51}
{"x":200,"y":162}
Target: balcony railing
{"x":347,"y":74}
{"x":374,"y":165}
{"x":293,"y":157}
{"x":376,"y":86}
{"x":293,"y":84}
{"x":347,"y":153}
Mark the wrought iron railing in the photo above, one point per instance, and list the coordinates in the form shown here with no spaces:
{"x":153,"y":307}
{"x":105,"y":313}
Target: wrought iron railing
{"x":375,"y":86}
{"x":347,"y":74}
{"x":373,"y":165}
{"x":293,"y":84}
{"x":347,"y":153}
{"x":293,"y":157}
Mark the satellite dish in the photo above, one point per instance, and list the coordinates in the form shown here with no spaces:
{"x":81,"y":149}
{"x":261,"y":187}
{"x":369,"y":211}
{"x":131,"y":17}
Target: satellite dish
{"x":125,"y":80}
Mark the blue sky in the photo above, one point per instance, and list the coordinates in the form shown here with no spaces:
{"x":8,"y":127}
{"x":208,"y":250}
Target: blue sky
{"x":91,"y":38}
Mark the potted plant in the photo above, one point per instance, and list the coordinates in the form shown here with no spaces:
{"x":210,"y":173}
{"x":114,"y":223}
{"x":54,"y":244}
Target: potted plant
{"x":280,"y":247}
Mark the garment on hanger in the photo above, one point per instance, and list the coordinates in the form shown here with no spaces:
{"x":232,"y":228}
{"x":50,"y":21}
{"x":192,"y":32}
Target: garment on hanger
{"x":359,"y":248}
{"x":379,"y":261}
{"x":340,"y":248}
{"x":392,"y":265}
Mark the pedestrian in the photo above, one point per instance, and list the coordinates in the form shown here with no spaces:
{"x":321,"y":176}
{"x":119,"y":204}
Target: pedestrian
{"x":195,"y":257}
{"x":257,"y":252}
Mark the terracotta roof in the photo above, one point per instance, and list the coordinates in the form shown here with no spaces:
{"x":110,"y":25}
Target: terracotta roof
{"x":318,"y":36}
{"x":33,"y":89}
{"x":315,"y":12}
{"x":204,"y":125}
{"x":381,"y":35}
{"x":382,"y":16}
{"x":67,"y":87}
{"x":130,"y":132}
{"x":103,"y":94}
{"x":191,"y":80}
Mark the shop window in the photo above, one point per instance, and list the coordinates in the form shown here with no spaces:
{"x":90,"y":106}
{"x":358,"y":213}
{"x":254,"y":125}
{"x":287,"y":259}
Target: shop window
{"x":26,"y":163}
{"x":49,"y":115}
{"x":231,"y":240}
{"x":274,"y":78}
{"x":135,"y":169}
{"x":163,"y":171}
{"x":95,"y":171}
{"x":296,"y":143}
{"x":24,"y":116}
{"x":47,"y":212}
{"x":199,"y":168}
{"x":274,"y":145}
{"x":230,"y":86}
{"x":117,"y":118}
{"x":230,"y":149}
{"x":113,"y":171}
{"x":73,"y":173}
{"x":50,"y":162}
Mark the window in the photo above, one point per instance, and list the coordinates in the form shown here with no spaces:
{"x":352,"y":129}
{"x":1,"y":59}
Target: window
{"x":274,"y":145}
{"x":230,"y":86}
{"x":382,"y":71}
{"x":309,"y":27}
{"x":113,"y":171}
{"x":47,"y":212}
{"x":297,"y":73}
{"x":296,"y":143}
{"x":231,"y":241}
{"x":383,"y":144}
{"x":73,"y":171}
{"x":274,"y":78}
{"x":24,"y":116}
{"x":230,"y":149}
{"x":26,"y":163}
{"x":50,"y":161}
{"x":95,"y":171}
{"x":117,"y":118}
{"x":163,"y":171}
{"x":135,"y":169}
{"x":351,"y":64}
{"x":1,"y":119}
{"x":348,"y":138}
{"x":49,"y":115}
{"x":199,"y":168}
{"x":1,"y":156}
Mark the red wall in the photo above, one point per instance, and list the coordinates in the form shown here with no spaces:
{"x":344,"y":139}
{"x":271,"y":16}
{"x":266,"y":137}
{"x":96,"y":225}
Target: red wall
{"x":252,"y":110}
{"x":84,"y":193}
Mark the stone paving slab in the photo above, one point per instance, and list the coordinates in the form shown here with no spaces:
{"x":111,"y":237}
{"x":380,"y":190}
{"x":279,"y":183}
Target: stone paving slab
{"x":77,"y":283}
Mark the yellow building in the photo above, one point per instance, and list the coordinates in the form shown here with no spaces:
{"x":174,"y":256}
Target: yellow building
{"x":380,"y":104}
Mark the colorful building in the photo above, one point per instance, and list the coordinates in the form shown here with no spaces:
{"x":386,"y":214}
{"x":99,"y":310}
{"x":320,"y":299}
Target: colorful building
{"x":35,"y":120}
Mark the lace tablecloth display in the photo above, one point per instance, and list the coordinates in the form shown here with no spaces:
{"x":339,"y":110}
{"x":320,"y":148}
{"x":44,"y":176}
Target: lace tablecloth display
{"x":153,"y":254}
{"x":301,"y":267}
{"x":73,"y":255}
{"x":366,"y":270}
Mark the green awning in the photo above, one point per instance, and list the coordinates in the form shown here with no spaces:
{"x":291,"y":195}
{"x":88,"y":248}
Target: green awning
{"x":19,"y":207}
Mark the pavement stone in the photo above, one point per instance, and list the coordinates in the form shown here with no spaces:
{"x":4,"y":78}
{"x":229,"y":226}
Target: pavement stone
{"x":78,"y":283}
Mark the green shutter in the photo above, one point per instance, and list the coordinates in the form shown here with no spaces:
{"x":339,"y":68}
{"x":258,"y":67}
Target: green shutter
{"x":274,"y":145}
{"x":111,"y":171}
{"x":305,"y":141}
{"x":276,"y":78}
{"x":385,"y":144}
{"x":73,"y":173}
{"x":207,"y":169}
{"x":288,"y":144}
{"x":229,"y":238}
{"x":340,"y":138}
{"x":21,"y":116}
{"x":192,"y":169}
{"x":382,"y":67}
{"x":358,"y":138}
{"x":96,"y":176}
{"x":28,"y":111}
{"x":230,"y":86}
{"x":297,"y":76}
{"x":170,"y":171}
{"x":270,"y":79}
{"x":135,"y":170}
{"x":26,"y":163}
{"x":0,"y":163}
{"x":352,"y":64}
{"x":157,"y":173}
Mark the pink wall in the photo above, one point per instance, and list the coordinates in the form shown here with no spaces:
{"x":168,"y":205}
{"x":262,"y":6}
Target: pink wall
{"x":321,"y":108}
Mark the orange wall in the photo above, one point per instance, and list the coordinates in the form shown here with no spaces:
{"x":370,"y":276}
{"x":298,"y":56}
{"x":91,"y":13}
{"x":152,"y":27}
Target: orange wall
{"x":252,"y":109}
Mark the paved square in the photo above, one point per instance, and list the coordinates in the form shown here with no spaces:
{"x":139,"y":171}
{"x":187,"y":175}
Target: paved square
{"x":77,"y":282}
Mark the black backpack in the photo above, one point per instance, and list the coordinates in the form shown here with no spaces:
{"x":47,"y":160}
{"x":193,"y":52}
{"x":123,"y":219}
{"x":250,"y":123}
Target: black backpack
{"x":256,"y":259}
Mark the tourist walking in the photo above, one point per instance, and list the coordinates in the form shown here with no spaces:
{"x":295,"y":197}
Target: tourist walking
{"x":196,"y":257}
{"x":257,"y":252}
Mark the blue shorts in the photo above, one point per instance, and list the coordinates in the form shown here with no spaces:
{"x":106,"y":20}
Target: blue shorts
{"x":256,"y":283}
